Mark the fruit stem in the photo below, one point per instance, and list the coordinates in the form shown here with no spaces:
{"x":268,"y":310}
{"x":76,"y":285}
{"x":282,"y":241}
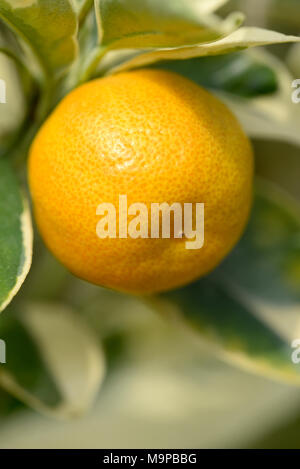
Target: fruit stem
{"x":93,"y":63}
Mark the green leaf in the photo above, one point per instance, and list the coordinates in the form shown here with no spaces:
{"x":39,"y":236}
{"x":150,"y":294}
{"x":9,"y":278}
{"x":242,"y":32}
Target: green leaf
{"x":8,"y":405}
{"x":266,"y":263}
{"x":15,"y":236}
{"x":230,"y":329}
{"x":238,"y":73}
{"x":134,"y":25}
{"x":13,"y":110}
{"x":82,"y":8}
{"x":54,"y":363}
{"x":242,"y":38}
{"x":273,"y":117}
{"x":47,"y":27}
{"x":153,"y":23}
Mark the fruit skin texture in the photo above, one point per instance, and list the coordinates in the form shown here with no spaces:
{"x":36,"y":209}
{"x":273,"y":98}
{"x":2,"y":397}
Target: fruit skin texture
{"x":156,"y":137}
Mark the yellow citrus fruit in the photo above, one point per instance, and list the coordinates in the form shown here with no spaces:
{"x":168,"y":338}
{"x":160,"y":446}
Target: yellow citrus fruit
{"x":155,"y":137}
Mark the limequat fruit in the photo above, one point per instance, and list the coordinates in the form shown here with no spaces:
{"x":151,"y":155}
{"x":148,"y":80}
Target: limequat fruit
{"x":155,"y":137}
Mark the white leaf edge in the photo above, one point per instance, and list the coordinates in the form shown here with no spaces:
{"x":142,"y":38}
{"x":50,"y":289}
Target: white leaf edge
{"x":47,"y":324}
{"x":27,"y":234}
{"x":242,"y":38}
